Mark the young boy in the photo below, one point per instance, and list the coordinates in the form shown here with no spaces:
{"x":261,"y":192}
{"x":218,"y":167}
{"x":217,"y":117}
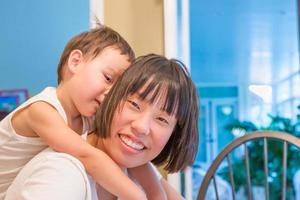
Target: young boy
{"x":62,"y":117}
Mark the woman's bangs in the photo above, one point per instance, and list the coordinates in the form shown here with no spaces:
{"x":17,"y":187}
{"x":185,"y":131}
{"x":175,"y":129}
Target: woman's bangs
{"x":165,"y":92}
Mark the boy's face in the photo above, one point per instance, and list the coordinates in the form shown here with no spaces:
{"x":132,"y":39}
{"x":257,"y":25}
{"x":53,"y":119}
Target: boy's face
{"x":93,"y":78}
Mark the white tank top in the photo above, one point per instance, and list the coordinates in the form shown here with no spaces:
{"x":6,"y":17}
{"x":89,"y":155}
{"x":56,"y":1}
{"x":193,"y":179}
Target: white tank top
{"x":16,"y":150}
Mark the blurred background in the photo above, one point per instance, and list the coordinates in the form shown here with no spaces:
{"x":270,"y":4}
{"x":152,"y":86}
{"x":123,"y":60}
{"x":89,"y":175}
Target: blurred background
{"x":243,"y":57}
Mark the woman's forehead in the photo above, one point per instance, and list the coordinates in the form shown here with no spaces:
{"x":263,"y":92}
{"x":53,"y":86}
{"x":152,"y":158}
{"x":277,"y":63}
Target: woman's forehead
{"x":153,"y":97}
{"x":159,"y":97}
{"x":153,"y":93}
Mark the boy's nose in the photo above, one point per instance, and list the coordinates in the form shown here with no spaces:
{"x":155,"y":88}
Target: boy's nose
{"x":100,"y":98}
{"x":107,"y":88}
{"x":103,"y":95}
{"x":141,"y":125}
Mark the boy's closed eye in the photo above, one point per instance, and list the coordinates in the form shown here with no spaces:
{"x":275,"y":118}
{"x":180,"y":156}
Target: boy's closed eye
{"x":108,"y":78}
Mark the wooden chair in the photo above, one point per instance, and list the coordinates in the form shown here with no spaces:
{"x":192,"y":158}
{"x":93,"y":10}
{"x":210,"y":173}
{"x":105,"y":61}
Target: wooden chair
{"x":265,"y":136}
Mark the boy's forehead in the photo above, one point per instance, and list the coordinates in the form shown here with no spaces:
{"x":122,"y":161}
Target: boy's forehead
{"x":116,"y":71}
{"x":114,"y":60}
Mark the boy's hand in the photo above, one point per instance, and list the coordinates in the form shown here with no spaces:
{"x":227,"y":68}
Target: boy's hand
{"x":104,"y":194}
{"x":147,"y":178}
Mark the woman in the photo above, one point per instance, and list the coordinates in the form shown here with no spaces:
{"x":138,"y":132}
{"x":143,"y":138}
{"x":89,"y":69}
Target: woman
{"x":150,"y":114}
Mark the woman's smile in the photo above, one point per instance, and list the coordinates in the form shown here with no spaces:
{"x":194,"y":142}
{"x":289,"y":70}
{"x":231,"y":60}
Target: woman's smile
{"x":130,"y":145}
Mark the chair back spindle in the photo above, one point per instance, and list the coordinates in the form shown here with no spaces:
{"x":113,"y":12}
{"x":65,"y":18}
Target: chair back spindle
{"x":265,"y":137}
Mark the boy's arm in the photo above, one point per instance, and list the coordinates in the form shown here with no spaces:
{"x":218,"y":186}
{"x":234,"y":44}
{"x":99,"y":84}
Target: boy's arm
{"x":45,"y":121}
{"x":148,"y":179}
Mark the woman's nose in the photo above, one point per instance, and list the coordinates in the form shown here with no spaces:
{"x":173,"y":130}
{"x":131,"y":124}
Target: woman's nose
{"x":141,"y":125}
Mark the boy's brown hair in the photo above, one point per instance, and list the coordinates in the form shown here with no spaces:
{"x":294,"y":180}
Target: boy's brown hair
{"x":91,"y":43}
{"x":154,"y":77}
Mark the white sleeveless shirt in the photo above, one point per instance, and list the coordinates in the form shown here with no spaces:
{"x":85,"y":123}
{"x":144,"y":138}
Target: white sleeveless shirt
{"x":16,"y":150}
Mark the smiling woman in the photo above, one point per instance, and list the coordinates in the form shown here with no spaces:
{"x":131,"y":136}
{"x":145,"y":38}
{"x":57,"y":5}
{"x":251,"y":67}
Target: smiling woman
{"x":154,"y":87}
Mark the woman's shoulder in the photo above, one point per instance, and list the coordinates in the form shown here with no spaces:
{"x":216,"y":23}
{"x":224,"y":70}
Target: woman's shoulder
{"x":57,"y":171}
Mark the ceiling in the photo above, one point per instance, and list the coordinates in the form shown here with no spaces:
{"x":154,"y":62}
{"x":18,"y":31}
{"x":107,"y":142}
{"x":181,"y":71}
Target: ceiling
{"x":236,"y":41}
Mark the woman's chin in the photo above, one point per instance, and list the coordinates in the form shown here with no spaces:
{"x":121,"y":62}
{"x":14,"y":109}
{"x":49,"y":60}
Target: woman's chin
{"x":130,"y":164}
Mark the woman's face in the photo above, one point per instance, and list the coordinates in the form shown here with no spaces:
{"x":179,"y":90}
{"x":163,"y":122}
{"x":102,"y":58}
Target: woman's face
{"x":139,"y":131}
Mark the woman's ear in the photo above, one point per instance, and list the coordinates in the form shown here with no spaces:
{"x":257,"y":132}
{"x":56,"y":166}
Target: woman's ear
{"x":75,"y":58}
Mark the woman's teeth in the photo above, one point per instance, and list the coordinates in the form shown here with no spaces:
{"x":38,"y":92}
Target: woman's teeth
{"x":132,"y":144}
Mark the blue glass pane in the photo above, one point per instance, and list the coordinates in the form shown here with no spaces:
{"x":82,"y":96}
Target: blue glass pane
{"x":201,"y":155}
{"x":224,"y":115}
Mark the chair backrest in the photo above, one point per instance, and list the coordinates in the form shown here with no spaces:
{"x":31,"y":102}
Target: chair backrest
{"x":265,"y":136}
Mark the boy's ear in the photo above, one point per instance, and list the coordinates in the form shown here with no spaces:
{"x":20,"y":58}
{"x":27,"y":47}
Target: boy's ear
{"x":75,"y":58}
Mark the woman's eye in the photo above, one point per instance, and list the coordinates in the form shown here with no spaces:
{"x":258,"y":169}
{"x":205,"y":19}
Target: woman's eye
{"x":134,"y":104}
{"x":108,"y":78}
{"x":163,"y":120}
